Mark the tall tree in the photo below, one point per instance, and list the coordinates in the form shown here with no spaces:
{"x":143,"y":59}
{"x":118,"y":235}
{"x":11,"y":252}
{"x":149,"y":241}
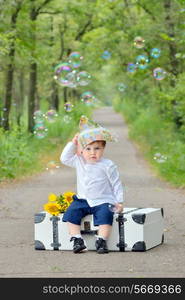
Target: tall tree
{"x":10,"y":67}
{"x":34,"y":12}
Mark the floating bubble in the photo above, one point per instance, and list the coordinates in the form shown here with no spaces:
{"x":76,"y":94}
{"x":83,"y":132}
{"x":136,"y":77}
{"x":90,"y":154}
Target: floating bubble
{"x":142,"y":61}
{"x":121,"y":87}
{"x":51,"y":115}
{"x":179,"y":55}
{"x":75,"y":59}
{"x":106,"y":55}
{"x":40,"y":131}
{"x":68,"y":106}
{"x":139,"y":42}
{"x":67,"y":119}
{"x":131,"y":67}
{"x":158,"y":157}
{"x":159,"y":73}
{"x":87,"y":97}
{"x":52,"y":166}
{"x":38,"y":116}
{"x":61,"y":72}
{"x":83,"y":78}
{"x":71,"y":79}
{"x":3,"y":119}
{"x":155,"y":52}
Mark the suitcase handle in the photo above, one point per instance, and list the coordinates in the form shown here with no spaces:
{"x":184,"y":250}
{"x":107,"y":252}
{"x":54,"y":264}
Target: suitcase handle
{"x":89,"y":232}
{"x":120,"y":219}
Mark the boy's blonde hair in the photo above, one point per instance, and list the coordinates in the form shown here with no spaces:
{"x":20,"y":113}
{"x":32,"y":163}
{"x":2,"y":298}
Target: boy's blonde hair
{"x":99,"y":141}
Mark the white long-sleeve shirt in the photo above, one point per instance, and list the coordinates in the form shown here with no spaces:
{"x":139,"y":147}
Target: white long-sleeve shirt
{"x":98,"y":182}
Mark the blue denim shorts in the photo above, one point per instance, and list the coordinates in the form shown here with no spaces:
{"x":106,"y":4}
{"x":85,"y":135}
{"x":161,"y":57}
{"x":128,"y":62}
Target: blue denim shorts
{"x":80,"y":208}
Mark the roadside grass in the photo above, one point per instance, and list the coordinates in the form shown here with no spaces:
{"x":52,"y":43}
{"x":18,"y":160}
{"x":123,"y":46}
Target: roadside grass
{"x":159,"y":141}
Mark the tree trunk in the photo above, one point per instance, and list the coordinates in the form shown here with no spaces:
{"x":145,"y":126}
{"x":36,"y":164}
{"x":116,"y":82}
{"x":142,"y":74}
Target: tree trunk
{"x":10,"y":72}
{"x":174,"y":63}
{"x":54,"y":96}
{"x":65,"y":95}
{"x":54,"y":102}
{"x":20,"y":98}
{"x":170,"y":26}
{"x":8,"y":94}
{"x":31,"y":96}
{"x":34,"y":12}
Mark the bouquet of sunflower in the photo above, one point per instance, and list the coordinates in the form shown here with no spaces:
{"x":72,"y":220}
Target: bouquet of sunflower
{"x":58,"y":204}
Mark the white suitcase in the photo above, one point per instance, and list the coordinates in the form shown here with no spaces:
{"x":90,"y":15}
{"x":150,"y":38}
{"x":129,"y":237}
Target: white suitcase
{"x":137,"y":229}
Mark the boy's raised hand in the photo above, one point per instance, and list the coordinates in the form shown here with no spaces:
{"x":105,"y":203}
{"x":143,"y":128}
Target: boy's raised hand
{"x":75,"y":139}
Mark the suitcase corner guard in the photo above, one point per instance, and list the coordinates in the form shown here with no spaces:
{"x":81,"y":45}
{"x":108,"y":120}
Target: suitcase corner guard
{"x":39,"y":245}
{"x":139,"y":246}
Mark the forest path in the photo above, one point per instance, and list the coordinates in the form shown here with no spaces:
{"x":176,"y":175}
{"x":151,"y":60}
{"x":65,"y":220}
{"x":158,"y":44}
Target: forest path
{"x":20,"y":201}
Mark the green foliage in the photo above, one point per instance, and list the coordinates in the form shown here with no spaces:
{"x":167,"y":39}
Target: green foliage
{"x":156,"y":136}
{"x":22,"y":153}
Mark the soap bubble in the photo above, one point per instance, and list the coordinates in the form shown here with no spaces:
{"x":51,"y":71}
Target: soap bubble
{"x":106,"y":55}
{"x":142,"y":61}
{"x":159,"y":158}
{"x":38,"y":116}
{"x":83,"y":78}
{"x":52,"y":166}
{"x":155,"y":52}
{"x":61,"y":72}
{"x":67,"y":119}
{"x":40,"y":131}
{"x":139,"y":42}
{"x":68,"y":106}
{"x":75,"y":59}
{"x":87,"y":97}
{"x":71,"y":80}
{"x":121,"y":87}
{"x":159,"y":73}
{"x":131,"y":67}
{"x":51,"y":115}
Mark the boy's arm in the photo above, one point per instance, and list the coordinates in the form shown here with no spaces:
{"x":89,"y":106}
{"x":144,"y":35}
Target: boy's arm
{"x":117,"y":186}
{"x":68,"y":156}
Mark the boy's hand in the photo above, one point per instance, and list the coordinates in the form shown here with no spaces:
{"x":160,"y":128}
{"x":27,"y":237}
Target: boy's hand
{"x":75,"y":139}
{"x":119,"y":207}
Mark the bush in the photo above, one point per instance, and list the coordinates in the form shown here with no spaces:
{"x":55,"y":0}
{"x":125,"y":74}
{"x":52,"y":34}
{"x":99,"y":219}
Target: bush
{"x":161,"y":144}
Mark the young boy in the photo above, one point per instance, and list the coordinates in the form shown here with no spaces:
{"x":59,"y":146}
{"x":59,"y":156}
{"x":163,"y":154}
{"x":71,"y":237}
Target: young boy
{"x":98,"y":184}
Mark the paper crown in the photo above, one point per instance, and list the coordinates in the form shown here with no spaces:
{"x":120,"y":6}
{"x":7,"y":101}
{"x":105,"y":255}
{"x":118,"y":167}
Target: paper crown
{"x":91,"y":131}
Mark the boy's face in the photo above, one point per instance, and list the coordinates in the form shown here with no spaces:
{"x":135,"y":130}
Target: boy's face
{"x":93,"y":152}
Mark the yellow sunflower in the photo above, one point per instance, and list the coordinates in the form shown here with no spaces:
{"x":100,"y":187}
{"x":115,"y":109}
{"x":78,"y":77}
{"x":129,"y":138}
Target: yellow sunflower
{"x":64,"y":207}
{"x":52,"y":208}
{"x":68,"y":197}
{"x":52,"y":197}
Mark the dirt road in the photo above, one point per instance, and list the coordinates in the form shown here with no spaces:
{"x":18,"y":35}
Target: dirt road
{"x":20,"y":201}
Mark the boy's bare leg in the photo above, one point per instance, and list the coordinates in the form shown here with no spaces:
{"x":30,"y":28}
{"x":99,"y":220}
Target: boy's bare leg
{"x":73,"y":229}
{"x":78,"y":245}
{"x":103,"y":234}
{"x":104,"y":231}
